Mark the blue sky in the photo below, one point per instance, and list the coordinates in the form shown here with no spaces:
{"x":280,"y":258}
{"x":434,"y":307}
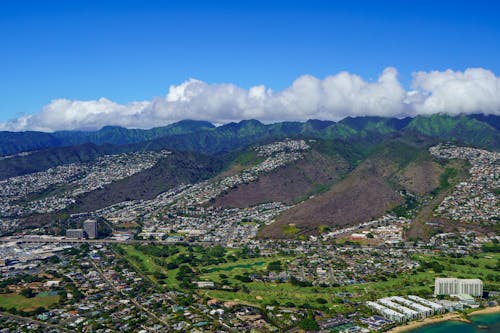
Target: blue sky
{"x":134,"y":50}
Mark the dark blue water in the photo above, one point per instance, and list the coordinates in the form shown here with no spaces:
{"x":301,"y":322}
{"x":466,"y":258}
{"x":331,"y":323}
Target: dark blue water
{"x":492,"y":321}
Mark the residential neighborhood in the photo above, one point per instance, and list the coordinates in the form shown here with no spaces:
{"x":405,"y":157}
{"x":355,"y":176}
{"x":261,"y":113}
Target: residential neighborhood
{"x":178,"y":263}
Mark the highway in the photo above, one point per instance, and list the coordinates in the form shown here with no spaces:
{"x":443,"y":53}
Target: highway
{"x":32,"y":239}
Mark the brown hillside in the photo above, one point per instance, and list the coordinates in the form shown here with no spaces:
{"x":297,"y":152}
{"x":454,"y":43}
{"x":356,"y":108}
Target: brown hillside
{"x":420,"y":177}
{"x":364,"y":194}
{"x":287,"y":184}
{"x":419,"y":227}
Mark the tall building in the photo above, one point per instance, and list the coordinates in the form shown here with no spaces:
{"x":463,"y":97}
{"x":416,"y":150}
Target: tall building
{"x":453,"y":286}
{"x":90,"y":228}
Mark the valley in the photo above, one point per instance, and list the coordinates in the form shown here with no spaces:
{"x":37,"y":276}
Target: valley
{"x":271,"y":233}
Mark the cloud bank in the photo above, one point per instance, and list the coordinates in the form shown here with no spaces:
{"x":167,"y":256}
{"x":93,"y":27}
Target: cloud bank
{"x":332,"y":98}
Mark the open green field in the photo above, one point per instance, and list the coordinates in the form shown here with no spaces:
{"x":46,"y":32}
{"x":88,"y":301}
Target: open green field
{"x":232,"y":268}
{"x":485,"y":266}
{"x":239,"y":267}
{"x":144,"y":263}
{"x":152,"y":266}
{"x":420,"y":282}
{"x":19,"y":302}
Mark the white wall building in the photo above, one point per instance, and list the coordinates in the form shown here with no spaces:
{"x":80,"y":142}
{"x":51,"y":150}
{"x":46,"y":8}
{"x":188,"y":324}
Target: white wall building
{"x":438,"y":308}
{"x":386,"y":312}
{"x":453,"y":286}
{"x":408,"y":313}
{"x":423,"y":311}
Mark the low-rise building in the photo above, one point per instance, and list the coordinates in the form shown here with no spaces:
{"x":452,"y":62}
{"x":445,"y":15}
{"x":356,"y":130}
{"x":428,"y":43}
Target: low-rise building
{"x":75,"y":233}
{"x":407,"y":312}
{"x":386,"y":312}
{"x":423,"y":311}
{"x":438,"y":308}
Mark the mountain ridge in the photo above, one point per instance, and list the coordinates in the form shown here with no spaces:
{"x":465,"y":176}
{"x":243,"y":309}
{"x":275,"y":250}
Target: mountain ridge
{"x":200,"y":137}
{"x":440,"y":125}
{"x":16,"y":142}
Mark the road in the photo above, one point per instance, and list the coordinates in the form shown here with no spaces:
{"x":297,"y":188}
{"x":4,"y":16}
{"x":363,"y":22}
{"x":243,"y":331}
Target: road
{"x":132,"y":299}
{"x":97,"y":241}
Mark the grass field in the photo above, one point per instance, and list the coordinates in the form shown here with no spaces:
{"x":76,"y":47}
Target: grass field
{"x":144,"y":263}
{"x":484,"y":266}
{"x":20,"y":302}
{"x":243,"y":266}
{"x":420,"y":281}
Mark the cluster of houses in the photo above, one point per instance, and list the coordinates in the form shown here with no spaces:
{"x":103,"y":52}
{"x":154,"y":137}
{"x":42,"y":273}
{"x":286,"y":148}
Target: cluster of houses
{"x":472,"y":200}
{"x":344,"y":265}
{"x":282,"y":146}
{"x":231,"y":227}
{"x":76,"y":178}
{"x":189,"y":214}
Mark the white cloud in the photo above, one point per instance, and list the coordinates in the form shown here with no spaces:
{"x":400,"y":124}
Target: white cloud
{"x":334,"y":97}
{"x":473,"y":90}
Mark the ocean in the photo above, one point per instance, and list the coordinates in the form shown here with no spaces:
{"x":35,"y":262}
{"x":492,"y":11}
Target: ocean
{"x":488,"y":323}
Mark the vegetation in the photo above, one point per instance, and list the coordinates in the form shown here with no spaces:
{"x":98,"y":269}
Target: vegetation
{"x":290,"y":230}
{"x":14,"y":142}
{"x":231,"y":270}
{"x":22,"y":303}
{"x":309,"y":323}
{"x":353,"y":135}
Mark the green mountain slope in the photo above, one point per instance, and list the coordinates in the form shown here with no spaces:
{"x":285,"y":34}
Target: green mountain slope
{"x":202,"y":137}
{"x":15,"y":142}
{"x":461,"y":129}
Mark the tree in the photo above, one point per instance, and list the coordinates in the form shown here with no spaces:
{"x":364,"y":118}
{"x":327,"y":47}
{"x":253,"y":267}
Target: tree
{"x":28,"y":293}
{"x":39,"y":310}
{"x":309,"y":323}
{"x":321,"y":300}
{"x":274,"y":266}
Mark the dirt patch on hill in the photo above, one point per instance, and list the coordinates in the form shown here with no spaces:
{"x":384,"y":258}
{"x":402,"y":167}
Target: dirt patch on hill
{"x":420,"y":177}
{"x":287,"y":184}
{"x":425,"y":224}
{"x":363,"y":195}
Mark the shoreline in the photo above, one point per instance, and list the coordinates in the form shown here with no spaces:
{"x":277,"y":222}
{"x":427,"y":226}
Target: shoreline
{"x":489,"y":310}
{"x":451,"y":316}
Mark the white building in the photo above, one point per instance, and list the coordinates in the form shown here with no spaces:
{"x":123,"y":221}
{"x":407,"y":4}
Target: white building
{"x":204,"y":284}
{"x":386,"y":312}
{"x":423,"y":311}
{"x":453,"y":286}
{"x":408,"y":313}
{"x":438,"y":308}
